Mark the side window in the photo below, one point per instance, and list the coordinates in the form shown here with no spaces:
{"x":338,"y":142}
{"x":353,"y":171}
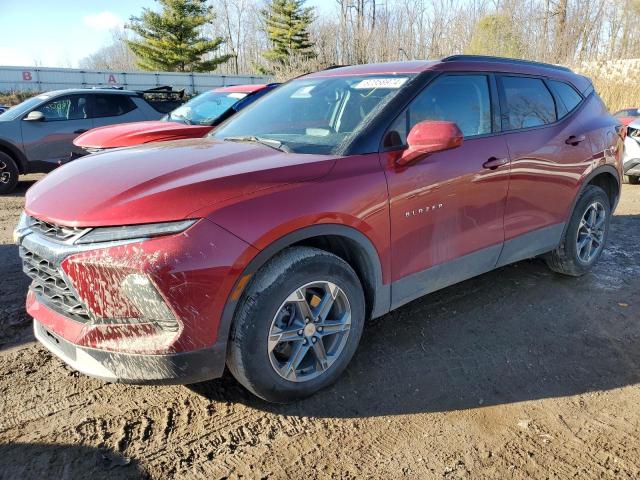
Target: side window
{"x":528,"y":103}
{"x":569,"y":98}
{"x":71,"y":107}
{"x":106,"y":105}
{"x":463,"y":99}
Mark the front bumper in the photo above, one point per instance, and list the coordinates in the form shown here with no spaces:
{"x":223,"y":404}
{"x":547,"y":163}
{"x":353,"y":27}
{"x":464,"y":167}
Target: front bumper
{"x":171,"y":369}
{"x":80,"y":314}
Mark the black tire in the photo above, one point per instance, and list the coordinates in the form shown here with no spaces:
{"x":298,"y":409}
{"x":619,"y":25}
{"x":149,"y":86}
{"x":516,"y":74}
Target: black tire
{"x":565,"y":258}
{"x":249,"y":358}
{"x":634,"y":180}
{"x":8,"y":174}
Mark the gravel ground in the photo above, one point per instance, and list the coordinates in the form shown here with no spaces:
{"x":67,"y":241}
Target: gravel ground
{"x":519,"y":373}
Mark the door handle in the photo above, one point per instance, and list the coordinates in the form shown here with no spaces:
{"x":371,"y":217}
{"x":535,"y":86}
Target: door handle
{"x":575,"y":140}
{"x":81,"y":130}
{"x":494,"y":163}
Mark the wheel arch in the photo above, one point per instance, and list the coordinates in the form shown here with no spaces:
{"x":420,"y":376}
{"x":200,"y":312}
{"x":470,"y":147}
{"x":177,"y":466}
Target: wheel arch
{"x":17,"y":156}
{"x":607,"y":178}
{"x":345,"y":242}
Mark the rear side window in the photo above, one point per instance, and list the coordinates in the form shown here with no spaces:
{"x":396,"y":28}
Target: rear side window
{"x":463,"y":99}
{"x":568,"y":98}
{"x":111,"y":105}
{"x":528,"y":103}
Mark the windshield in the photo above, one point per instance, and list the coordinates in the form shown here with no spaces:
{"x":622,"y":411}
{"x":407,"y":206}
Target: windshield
{"x":313,"y":115}
{"x":205,"y":108}
{"x":629,"y":112}
{"x":23,"y":108}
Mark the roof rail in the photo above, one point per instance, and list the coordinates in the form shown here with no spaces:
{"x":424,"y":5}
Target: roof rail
{"x":512,"y":61}
{"x":331,"y":67}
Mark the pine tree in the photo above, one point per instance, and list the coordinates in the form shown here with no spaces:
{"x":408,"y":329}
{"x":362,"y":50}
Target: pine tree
{"x":172,"y":40}
{"x":286,"y":26}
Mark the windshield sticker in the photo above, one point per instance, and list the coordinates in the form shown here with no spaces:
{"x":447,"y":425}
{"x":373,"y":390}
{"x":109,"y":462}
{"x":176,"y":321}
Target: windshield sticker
{"x":304,"y":92}
{"x":392,"y":82}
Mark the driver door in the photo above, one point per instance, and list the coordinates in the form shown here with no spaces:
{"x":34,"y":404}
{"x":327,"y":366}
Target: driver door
{"x":447,"y":209}
{"x":50,"y":140}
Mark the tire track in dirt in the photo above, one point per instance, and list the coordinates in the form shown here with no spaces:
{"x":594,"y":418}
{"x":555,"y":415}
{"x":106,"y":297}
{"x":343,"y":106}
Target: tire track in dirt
{"x":537,"y":378}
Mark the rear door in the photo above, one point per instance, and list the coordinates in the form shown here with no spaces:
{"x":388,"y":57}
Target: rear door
{"x":49,"y":141}
{"x":447,"y":209}
{"x":550,"y":150}
{"x":109,"y":109}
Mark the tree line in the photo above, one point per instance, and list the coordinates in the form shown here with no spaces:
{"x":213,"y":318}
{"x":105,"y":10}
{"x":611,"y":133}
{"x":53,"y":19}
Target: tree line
{"x":287,"y":37}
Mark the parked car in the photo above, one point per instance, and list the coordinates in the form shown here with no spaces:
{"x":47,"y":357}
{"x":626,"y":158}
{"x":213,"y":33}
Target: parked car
{"x":631,"y":157}
{"x":340,"y":196}
{"x":627,"y":115}
{"x":194,"y":119}
{"x":37,"y":134}
{"x":3,"y":108}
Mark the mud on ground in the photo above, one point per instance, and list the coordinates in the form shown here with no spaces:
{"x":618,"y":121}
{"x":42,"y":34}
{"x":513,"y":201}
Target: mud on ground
{"x":519,"y":373}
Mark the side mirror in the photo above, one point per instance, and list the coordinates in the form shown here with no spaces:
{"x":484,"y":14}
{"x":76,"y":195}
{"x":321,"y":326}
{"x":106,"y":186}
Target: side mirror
{"x":34,"y":116}
{"x":429,"y":137}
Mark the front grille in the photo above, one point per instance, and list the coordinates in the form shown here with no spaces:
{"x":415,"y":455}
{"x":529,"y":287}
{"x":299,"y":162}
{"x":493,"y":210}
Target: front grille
{"x":51,"y":288}
{"x":58,"y":233}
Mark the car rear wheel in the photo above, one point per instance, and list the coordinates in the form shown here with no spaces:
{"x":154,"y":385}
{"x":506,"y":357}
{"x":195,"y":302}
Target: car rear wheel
{"x":585,"y":235}
{"x":8,"y":174}
{"x":634,"y":180}
{"x":297,"y":326}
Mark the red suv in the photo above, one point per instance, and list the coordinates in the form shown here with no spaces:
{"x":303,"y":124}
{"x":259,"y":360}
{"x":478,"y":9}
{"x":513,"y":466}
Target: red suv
{"x":340,"y":196}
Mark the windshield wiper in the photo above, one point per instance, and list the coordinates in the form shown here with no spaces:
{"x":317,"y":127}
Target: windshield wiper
{"x":268,"y":142}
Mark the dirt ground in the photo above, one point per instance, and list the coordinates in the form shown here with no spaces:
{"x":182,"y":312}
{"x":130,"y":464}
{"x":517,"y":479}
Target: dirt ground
{"x":519,"y":373}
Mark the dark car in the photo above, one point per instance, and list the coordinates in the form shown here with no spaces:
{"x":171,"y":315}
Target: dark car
{"x":37,"y":135}
{"x":338,"y":197}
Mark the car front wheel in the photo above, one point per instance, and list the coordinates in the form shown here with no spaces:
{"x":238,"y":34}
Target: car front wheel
{"x":8,"y":174}
{"x":297,"y":326}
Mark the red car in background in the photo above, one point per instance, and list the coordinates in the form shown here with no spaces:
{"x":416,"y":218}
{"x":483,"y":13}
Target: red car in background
{"x":627,"y":115}
{"x":340,"y":196}
{"x":194,"y":119}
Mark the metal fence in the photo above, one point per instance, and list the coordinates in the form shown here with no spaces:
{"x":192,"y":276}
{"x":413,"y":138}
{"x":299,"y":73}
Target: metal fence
{"x":43,"y":79}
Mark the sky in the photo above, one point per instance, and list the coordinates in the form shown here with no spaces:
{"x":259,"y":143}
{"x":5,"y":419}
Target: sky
{"x":59,"y":33}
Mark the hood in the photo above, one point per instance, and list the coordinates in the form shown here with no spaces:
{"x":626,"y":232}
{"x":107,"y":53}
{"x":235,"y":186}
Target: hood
{"x":164,"y":181}
{"x":136,"y":133}
{"x":634,"y":123}
{"x":627,"y":120}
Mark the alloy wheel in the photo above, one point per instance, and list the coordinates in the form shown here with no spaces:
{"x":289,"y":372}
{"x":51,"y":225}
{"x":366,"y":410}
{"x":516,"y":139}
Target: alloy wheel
{"x":590,"y":237}
{"x":309,"y":331}
{"x":5,"y":174}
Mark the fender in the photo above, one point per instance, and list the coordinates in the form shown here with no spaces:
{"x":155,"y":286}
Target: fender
{"x":16,"y":154}
{"x":597,"y":171}
{"x":382,"y":292}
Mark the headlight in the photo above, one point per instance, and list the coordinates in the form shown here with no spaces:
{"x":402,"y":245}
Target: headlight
{"x":129,"y":232}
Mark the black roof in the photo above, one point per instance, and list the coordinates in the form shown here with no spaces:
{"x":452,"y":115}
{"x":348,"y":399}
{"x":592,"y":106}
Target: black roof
{"x":512,"y":61}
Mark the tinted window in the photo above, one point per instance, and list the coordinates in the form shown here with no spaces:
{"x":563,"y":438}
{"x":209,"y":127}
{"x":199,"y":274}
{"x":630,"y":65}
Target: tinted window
{"x":528,"y":101}
{"x":111,"y":105}
{"x":569,"y":98}
{"x":70,"y":107}
{"x":463,"y":99}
